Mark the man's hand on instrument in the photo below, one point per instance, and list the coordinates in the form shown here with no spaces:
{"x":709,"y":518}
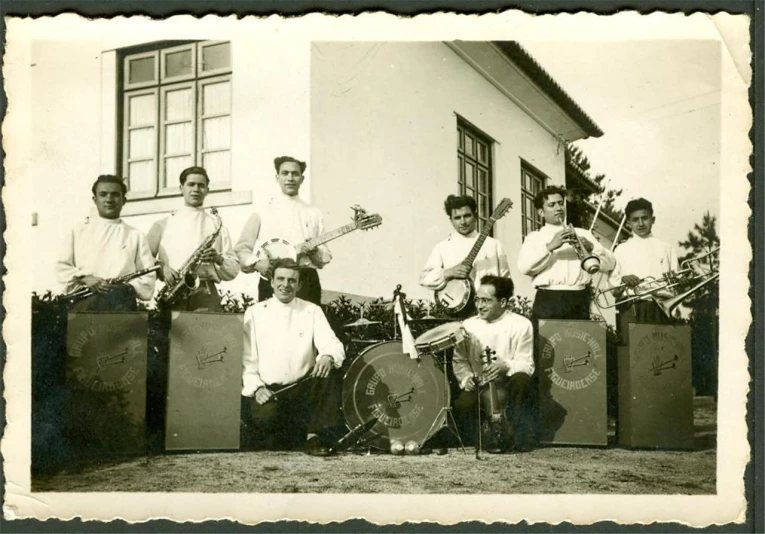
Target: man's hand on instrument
{"x":210,"y":255}
{"x":493,"y":370}
{"x":458,"y":271}
{"x":169,"y":274}
{"x":263,"y":395}
{"x":560,"y":238}
{"x":323,"y":366}
{"x":96,"y":283}
{"x":470,"y":384}
{"x":630,"y":280}
{"x":586,"y":244}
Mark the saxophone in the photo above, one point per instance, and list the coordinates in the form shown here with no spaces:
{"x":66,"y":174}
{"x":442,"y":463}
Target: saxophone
{"x":187,"y":274}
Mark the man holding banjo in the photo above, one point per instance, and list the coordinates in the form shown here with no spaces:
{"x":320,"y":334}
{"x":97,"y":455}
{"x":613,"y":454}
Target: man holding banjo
{"x":288,"y":219}
{"x":447,"y":260}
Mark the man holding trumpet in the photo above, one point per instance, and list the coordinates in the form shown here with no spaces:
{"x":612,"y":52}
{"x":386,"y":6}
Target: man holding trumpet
{"x":641,"y":260}
{"x":561,"y":259}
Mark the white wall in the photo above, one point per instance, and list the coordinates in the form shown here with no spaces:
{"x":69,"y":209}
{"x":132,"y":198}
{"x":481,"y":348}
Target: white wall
{"x":384,"y":135}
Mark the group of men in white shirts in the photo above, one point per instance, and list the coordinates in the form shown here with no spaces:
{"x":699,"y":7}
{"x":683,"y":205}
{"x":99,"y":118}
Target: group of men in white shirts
{"x":563,"y":291}
{"x":287,"y":337}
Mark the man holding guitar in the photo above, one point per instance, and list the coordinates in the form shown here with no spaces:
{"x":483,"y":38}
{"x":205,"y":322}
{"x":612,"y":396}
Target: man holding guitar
{"x":464,"y":257}
{"x":497,"y":359}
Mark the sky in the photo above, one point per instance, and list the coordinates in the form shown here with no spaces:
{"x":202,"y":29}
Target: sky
{"x":658,"y":104}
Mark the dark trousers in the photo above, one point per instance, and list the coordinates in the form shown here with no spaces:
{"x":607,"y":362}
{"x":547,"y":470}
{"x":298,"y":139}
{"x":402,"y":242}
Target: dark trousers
{"x":515,"y":393}
{"x":310,"y":287}
{"x":203,"y":298}
{"x":121,"y":298}
{"x":557,"y":304}
{"x":311,"y":407}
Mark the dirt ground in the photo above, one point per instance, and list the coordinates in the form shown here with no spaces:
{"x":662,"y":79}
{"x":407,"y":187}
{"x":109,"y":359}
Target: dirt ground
{"x":569,"y":470}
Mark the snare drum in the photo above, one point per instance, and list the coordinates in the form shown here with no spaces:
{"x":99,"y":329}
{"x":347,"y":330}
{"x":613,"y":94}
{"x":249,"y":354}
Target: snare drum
{"x":408,"y":399}
{"x":440,"y":338}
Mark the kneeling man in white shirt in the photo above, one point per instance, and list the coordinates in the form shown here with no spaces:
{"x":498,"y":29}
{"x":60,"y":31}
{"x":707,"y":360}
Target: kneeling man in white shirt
{"x":288,"y":341}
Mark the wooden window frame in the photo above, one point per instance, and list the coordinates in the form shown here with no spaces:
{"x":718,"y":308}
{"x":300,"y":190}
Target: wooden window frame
{"x":471,"y":186}
{"x":535,"y":218}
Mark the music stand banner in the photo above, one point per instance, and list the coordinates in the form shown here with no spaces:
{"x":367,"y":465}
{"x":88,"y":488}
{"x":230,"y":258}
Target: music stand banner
{"x":572,"y":382}
{"x":106,"y":382}
{"x":204,"y":381}
{"x":655,"y":388}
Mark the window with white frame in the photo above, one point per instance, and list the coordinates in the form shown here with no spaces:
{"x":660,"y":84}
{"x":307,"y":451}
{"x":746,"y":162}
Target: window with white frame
{"x":176,"y":113}
{"x":532,"y":182}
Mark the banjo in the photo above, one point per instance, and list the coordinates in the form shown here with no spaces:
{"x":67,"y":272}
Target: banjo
{"x":276,"y":248}
{"x":457,"y":292}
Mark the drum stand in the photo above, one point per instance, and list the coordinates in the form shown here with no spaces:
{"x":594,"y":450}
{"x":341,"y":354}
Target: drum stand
{"x":449,"y":421}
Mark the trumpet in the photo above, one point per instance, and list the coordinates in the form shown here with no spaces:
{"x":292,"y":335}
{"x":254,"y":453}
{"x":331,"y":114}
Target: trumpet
{"x":699,"y":271}
{"x":85,"y":292}
{"x":589,"y":262}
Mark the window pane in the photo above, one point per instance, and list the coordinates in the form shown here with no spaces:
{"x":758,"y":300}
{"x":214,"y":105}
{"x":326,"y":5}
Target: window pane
{"x":470,"y":174}
{"x":141,"y":143}
{"x":469,"y":148}
{"x":179,"y":138}
{"x":216,"y":56}
{"x":178,"y":63}
{"x":462,"y":170}
{"x":216,"y":133}
{"x":141,"y":70}
{"x":483,"y":152}
{"x":142,"y":110}
{"x":483,"y":206}
{"x":218,"y":166}
{"x":460,"y":139}
{"x":173,"y":168}
{"x":216,"y":98}
{"x":179,"y":104}
{"x":483,"y":182}
{"x":141,"y":176}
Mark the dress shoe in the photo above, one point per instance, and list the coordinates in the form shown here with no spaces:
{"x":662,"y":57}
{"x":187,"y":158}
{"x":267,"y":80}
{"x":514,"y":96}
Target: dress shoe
{"x":315,"y":447}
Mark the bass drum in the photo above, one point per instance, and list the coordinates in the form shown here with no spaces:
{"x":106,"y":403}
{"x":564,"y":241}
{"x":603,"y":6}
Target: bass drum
{"x":408,"y":398}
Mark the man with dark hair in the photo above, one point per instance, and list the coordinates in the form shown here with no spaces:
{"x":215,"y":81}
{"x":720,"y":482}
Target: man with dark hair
{"x":445,"y":261}
{"x":288,"y":341}
{"x":285,"y":218}
{"x":175,"y":238}
{"x":509,"y":338}
{"x":640,"y":257}
{"x":549,"y":256}
{"x":103,"y":247}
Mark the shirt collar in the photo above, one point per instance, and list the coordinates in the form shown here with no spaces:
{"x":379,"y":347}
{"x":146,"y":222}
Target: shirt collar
{"x":456,"y":235}
{"x":190,"y":209}
{"x":104,"y":220}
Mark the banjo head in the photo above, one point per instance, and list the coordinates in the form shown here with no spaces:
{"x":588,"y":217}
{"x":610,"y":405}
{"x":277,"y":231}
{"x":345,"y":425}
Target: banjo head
{"x":275,"y":249}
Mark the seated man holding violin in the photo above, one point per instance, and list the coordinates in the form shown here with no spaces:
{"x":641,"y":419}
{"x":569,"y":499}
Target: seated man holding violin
{"x":291,"y":363}
{"x":497,"y":359}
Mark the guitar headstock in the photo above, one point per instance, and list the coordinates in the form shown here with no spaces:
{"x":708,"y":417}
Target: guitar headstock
{"x":501,"y":209}
{"x":363,"y":221}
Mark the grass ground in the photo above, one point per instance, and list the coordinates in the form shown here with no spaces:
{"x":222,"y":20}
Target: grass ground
{"x":567,"y":470}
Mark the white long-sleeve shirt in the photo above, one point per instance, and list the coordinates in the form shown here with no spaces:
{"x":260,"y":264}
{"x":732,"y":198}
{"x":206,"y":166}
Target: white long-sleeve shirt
{"x":288,"y":218}
{"x":453,"y":250}
{"x":511,"y":336}
{"x":107,"y":248}
{"x":283,"y":341}
{"x":643,"y":257}
{"x":175,"y":238}
{"x":560,"y":269}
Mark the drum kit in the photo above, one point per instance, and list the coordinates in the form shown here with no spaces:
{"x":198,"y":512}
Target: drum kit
{"x":392,"y":402}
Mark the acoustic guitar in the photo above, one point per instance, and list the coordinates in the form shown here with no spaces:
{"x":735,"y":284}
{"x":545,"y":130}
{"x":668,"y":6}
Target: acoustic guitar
{"x":457,"y":292}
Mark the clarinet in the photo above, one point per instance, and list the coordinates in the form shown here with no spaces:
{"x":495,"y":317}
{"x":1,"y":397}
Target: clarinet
{"x":85,"y":292}
{"x":187,"y":274}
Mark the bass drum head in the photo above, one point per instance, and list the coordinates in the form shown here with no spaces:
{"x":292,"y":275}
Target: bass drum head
{"x":406,"y":397}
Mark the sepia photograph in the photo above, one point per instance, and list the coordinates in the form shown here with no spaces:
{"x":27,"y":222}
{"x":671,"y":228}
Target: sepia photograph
{"x":444,"y":268}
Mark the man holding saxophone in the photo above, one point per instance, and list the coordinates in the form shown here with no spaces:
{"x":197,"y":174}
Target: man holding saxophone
{"x":179,"y":243}
{"x":100,"y":256}
{"x":561,"y":259}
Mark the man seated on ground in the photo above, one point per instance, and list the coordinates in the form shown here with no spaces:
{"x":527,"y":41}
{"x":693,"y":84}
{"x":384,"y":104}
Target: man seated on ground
{"x":288,"y":342}
{"x":510,"y":340}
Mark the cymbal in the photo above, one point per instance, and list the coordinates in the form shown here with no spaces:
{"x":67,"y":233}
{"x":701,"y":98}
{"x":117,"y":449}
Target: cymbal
{"x":361,"y":322}
{"x":428,"y":319}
